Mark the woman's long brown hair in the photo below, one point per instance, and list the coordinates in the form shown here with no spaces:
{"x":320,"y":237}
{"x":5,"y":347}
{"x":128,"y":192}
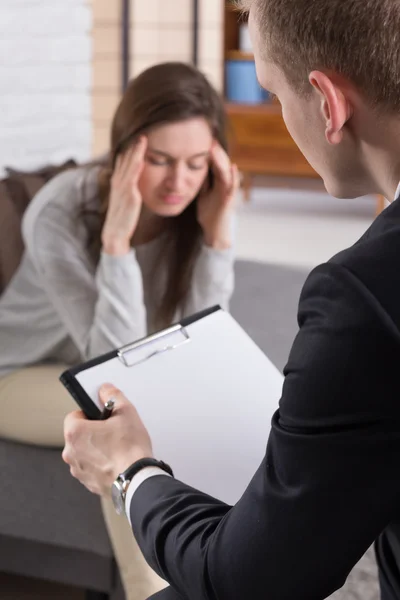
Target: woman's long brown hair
{"x":165,"y":93}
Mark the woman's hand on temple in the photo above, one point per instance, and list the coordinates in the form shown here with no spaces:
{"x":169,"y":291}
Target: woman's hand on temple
{"x":98,"y":451}
{"x":215,"y":207}
{"x":125,"y":202}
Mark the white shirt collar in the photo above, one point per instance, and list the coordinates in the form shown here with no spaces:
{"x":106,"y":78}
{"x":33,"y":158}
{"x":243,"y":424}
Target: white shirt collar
{"x":397,"y":192}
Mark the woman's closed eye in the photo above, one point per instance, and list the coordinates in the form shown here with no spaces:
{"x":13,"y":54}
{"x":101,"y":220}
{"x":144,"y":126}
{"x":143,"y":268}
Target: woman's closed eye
{"x":198,"y":166}
{"x":160,"y":162}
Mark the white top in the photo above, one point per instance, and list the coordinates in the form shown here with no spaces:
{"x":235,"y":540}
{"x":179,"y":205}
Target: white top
{"x":62,"y":307}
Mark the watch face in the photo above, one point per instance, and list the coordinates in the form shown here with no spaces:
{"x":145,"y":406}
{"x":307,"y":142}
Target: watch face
{"x":117,"y":496}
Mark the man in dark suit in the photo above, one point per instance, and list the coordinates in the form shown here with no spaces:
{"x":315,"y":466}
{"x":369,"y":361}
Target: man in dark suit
{"x":329,"y":484}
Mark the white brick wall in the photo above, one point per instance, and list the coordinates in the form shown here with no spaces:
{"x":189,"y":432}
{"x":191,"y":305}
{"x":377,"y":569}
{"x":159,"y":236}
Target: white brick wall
{"x":45,"y":81}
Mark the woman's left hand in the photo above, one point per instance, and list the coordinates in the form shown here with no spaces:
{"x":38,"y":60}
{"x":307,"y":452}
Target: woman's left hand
{"x":215,"y":207}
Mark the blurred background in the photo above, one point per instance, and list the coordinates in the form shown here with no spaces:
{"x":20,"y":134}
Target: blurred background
{"x":63,"y":67}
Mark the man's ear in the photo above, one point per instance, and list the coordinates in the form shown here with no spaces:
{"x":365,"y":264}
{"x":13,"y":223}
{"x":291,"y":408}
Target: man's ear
{"x":335,"y":106}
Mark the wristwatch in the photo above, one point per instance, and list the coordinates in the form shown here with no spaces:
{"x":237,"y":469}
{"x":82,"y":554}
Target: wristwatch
{"x":121,"y":484}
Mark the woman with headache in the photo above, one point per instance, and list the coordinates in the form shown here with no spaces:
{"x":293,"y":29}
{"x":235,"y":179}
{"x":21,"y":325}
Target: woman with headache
{"x":115,"y":251}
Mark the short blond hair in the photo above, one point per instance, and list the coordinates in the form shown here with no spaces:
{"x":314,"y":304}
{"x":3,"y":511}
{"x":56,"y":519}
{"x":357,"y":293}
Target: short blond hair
{"x":358,"y":39}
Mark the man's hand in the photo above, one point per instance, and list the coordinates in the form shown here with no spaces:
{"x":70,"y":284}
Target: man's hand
{"x":98,"y":451}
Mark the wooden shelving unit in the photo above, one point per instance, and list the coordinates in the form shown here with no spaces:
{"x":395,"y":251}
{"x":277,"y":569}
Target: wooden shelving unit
{"x":259,"y":141}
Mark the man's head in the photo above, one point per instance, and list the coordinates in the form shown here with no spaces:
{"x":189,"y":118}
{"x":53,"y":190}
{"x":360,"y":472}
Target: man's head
{"x":335,"y":67}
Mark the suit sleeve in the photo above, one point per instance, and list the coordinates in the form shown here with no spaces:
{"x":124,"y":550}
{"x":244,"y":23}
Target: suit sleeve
{"x":329,"y":482}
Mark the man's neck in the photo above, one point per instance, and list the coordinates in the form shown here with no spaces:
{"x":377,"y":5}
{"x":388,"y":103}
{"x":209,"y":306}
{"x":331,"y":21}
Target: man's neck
{"x":382,"y":155}
{"x":390,"y":180}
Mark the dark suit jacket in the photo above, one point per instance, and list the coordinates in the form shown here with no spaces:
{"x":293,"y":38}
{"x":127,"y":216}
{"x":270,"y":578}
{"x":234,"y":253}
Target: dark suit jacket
{"x":329,"y":483}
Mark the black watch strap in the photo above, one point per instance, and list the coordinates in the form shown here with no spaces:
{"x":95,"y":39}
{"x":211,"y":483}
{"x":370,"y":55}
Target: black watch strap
{"x":142,"y":464}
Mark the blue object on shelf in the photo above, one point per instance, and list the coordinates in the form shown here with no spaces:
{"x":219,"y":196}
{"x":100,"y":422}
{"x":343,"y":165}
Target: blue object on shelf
{"x":242,"y":86}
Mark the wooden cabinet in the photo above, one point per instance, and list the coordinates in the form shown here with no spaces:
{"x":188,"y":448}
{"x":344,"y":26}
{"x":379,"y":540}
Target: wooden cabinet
{"x":260,"y":142}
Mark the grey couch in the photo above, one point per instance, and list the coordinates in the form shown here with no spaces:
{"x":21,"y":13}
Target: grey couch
{"x":51,"y":528}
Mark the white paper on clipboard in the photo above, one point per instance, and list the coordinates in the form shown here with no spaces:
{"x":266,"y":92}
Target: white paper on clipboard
{"x":206,"y":394}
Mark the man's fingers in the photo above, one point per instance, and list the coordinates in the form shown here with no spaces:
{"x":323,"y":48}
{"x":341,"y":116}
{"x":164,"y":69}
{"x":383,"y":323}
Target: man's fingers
{"x":76,"y":415}
{"x":108,"y":391}
{"x":66,"y":456}
{"x":72,"y":423}
{"x":76,"y":472}
{"x":122,"y":404}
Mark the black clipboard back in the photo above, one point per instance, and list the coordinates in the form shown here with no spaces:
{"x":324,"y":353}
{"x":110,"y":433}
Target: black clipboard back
{"x":72,"y":385}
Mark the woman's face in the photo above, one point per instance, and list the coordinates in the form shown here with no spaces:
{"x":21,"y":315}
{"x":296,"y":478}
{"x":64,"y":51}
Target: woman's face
{"x":176,"y":166}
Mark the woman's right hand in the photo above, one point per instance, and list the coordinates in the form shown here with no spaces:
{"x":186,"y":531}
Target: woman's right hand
{"x":125,"y":201}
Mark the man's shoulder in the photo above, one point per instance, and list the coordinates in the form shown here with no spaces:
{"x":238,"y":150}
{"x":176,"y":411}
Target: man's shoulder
{"x":374,"y":261}
{"x":378,"y":248}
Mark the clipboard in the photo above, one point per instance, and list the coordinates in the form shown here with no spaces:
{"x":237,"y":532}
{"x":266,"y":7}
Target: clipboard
{"x":205,"y":391}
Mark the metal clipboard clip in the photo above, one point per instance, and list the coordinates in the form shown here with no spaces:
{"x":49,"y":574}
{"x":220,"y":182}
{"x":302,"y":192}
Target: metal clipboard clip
{"x":158,"y":343}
